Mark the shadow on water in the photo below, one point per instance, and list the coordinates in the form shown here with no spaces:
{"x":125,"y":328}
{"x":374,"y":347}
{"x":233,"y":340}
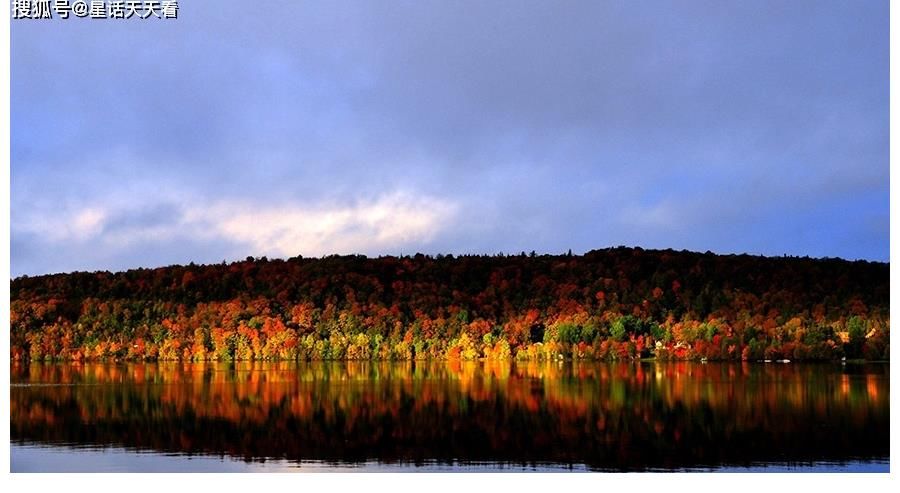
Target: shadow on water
{"x":560,"y":415}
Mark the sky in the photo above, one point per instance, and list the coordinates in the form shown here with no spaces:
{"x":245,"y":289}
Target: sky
{"x":285,"y":128}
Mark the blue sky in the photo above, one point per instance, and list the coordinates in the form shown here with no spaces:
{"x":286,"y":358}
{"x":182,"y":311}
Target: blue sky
{"x":284,"y":128}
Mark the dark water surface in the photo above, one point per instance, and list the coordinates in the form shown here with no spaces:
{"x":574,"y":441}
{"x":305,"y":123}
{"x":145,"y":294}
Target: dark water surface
{"x":440,"y":416}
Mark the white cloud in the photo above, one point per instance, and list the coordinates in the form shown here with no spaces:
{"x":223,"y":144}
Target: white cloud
{"x":379,"y":225}
{"x":77,"y":225}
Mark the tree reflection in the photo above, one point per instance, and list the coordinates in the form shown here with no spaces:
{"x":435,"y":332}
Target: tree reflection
{"x":607,"y":416}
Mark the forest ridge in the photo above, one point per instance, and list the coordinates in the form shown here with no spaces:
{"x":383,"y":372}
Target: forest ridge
{"x":617,"y":303}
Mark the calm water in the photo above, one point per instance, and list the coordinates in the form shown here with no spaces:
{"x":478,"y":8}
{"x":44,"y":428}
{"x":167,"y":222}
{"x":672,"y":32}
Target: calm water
{"x":444,"y":416}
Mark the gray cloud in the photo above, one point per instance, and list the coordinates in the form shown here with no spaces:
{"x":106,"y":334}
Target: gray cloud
{"x":730,"y":126}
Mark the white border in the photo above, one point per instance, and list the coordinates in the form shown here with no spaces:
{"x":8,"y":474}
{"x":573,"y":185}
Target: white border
{"x":328,"y":483}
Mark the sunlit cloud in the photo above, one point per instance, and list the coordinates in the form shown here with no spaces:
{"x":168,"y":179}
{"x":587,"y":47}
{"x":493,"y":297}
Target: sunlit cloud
{"x":379,"y":225}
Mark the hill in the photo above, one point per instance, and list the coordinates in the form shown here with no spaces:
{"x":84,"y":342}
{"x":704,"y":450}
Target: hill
{"x":616,"y":303}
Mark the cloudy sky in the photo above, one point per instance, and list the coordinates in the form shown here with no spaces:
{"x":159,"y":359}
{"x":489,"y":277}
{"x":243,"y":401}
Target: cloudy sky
{"x":316,"y":127}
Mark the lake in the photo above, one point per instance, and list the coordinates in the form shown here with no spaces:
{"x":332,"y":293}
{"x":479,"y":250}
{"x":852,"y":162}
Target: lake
{"x":448,"y":416}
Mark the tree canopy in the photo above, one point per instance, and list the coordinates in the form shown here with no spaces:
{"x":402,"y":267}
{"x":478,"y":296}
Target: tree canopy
{"x":616,"y":303}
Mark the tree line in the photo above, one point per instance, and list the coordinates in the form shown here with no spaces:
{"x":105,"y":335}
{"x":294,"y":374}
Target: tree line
{"x":618,"y":304}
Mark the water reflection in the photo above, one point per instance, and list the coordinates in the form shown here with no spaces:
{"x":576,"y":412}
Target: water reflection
{"x":619,"y":417}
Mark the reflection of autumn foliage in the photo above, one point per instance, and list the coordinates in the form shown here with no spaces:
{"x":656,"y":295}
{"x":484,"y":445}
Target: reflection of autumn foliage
{"x":610,"y":304}
{"x":620,"y":416}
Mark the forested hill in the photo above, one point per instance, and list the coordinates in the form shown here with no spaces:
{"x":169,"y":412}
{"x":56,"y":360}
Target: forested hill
{"x":608,"y":304}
